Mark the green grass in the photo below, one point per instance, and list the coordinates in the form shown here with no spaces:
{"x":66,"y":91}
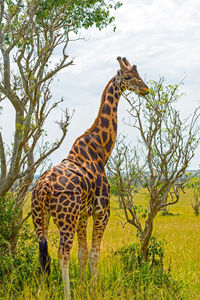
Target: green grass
{"x":182,"y":257}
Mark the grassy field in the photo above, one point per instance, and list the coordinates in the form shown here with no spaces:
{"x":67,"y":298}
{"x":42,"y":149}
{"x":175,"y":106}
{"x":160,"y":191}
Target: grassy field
{"x":181,"y":231}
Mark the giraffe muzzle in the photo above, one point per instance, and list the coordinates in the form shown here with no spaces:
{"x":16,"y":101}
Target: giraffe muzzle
{"x":144,"y":92}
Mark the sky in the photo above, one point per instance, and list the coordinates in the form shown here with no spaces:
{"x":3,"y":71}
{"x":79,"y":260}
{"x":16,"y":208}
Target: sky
{"x":162,"y":37}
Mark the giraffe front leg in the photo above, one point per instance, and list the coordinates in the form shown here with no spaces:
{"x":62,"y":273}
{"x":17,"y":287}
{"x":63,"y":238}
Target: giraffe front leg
{"x":99,"y":225}
{"x":83,"y":252}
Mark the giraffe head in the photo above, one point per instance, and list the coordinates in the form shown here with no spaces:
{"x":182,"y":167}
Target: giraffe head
{"x":129,"y":79}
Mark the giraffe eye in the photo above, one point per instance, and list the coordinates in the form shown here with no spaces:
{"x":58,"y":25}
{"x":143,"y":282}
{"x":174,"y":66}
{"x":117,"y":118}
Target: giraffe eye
{"x":127,"y":77}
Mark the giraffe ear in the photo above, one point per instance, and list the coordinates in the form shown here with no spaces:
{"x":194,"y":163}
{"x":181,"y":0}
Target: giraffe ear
{"x":134,"y":68}
{"x":118,"y":76}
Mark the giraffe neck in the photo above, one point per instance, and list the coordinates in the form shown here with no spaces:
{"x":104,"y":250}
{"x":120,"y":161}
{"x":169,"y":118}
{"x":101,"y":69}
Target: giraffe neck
{"x":104,"y":127}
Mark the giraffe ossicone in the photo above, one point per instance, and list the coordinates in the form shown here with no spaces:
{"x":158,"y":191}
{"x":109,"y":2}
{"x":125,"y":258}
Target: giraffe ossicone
{"x":78,"y":188}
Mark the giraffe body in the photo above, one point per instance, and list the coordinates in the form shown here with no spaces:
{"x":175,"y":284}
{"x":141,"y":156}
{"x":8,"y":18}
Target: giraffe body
{"x":78,"y":188}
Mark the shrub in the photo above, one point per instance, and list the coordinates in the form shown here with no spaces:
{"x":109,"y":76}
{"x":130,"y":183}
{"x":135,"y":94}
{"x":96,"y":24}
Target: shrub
{"x":196,"y":205}
{"x":144,"y":274}
{"x":9,"y":221}
{"x":21,"y":271}
{"x":20,"y":266}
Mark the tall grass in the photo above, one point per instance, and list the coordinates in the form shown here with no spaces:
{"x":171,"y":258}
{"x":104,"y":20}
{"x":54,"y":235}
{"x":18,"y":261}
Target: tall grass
{"x":181,"y":231}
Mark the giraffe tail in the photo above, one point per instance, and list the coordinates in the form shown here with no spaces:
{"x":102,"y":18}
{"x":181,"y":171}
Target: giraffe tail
{"x":44,"y":257}
{"x":41,"y":219}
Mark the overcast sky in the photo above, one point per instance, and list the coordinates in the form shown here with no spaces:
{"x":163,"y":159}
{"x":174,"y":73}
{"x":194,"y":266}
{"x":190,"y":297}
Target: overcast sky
{"x":162,"y":37}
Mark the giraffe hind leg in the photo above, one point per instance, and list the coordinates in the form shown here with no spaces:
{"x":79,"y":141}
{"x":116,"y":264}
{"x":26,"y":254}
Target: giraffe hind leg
{"x":65,"y":215}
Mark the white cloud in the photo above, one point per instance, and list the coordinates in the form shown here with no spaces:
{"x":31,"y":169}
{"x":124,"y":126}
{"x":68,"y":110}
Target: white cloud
{"x":161,"y":37}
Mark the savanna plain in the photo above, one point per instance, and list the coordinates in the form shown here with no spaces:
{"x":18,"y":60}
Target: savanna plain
{"x":180,"y":278}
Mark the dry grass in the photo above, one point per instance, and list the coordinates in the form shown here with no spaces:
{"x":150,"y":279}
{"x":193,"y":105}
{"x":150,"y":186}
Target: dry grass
{"x":180,"y":231}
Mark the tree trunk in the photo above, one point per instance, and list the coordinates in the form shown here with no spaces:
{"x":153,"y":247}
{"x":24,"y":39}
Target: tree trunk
{"x":145,"y":236}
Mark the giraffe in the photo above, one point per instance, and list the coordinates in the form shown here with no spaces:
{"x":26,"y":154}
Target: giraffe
{"x":78,"y":188}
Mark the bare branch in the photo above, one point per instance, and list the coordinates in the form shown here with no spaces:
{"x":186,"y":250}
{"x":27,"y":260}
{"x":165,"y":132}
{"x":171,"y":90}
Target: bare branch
{"x":2,"y":159}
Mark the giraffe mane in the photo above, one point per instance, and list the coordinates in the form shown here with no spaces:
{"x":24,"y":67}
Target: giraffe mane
{"x":101,"y":106}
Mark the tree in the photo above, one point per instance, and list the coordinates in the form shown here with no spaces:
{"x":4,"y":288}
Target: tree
{"x":194,"y":184}
{"x":165,"y":149}
{"x":30,"y":33}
